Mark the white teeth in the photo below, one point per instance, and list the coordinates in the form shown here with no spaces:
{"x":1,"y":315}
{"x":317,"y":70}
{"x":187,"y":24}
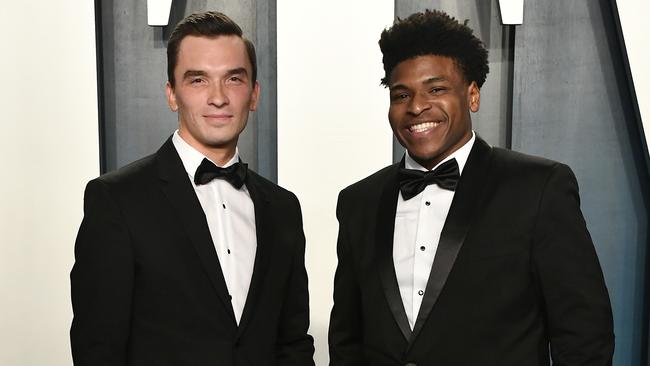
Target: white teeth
{"x":423,"y":126}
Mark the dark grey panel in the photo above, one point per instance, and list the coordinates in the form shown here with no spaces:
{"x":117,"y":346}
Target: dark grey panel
{"x":136,"y":117}
{"x":267,"y":111}
{"x":571,"y":104}
{"x":492,"y":120}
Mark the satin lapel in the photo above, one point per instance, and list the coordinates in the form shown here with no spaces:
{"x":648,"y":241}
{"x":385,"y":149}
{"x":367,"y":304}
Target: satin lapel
{"x":264,"y":233}
{"x":178,"y":189}
{"x":385,"y":231}
{"x":461,"y":214}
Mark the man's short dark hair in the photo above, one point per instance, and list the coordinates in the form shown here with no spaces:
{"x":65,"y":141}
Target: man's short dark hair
{"x":433,"y":32}
{"x":207,"y":24}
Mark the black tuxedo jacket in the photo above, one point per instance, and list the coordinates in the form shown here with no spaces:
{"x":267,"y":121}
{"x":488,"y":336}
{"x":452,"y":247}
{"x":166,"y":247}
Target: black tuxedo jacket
{"x":514,"y":274}
{"x":147,"y":288}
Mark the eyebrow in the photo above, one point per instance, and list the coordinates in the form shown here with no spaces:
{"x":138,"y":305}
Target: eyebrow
{"x":434,"y":79}
{"x":192,"y":73}
{"x":235,"y":71}
{"x":430,"y":80}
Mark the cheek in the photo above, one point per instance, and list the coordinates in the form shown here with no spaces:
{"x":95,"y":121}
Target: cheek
{"x":393,"y":124}
{"x":450,"y":109}
{"x":241,"y":95}
{"x":394,"y":115}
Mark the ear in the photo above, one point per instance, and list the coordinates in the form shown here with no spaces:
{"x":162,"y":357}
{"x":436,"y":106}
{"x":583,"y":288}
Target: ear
{"x":171,"y":97}
{"x":474,"y":97}
{"x":255,"y":96}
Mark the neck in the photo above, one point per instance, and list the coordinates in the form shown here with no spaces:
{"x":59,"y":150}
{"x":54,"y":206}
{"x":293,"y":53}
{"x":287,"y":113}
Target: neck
{"x":219,"y":155}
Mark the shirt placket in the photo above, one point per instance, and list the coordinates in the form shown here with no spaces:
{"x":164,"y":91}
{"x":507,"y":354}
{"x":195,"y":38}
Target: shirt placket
{"x":222,"y":238}
{"x":423,"y":251}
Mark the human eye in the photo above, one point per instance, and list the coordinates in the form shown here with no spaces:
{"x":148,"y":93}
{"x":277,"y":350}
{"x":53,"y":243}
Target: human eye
{"x":436,"y":90}
{"x":235,"y":79}
{"x":398,"y":96}
{"x":197,"y":80}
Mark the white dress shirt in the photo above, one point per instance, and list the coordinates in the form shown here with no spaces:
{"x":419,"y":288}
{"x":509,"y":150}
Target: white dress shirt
{"x":230,"y":214}
{"x":418,"y":224}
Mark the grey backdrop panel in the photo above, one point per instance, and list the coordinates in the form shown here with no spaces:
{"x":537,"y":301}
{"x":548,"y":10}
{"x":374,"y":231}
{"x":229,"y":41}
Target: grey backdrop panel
{"x":493,"y":119}
{"x":571,"y":104}
{"x":133,"y":70}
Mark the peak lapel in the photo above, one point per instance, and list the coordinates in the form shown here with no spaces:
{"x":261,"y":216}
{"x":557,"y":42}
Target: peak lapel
{"x":179,"y":191}
{"x":461,"y":214}
{"x":385,"y":232}
{"x":264,"y":233}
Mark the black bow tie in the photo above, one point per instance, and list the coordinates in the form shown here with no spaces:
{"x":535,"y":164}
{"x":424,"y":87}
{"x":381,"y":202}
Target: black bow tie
{"x":234,"y":174}
{"x":412,"y":182}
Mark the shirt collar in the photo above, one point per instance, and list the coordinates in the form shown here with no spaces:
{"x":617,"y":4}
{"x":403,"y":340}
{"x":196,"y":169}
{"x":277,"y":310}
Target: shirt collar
{"x":192,"y":158}
{"x":460,"y":155}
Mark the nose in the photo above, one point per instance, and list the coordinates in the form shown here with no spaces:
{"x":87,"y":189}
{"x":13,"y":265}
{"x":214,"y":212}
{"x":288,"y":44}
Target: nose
{"x":418,"y":104}
{"x":218,"y":96}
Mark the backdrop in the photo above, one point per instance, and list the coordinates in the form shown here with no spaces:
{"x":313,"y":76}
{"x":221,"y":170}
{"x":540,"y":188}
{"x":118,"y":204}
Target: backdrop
{"x":557,"y":87}
{"x":84,"y":86}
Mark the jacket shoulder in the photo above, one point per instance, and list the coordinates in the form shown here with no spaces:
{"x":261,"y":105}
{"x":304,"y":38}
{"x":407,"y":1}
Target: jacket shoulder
{"x":272,"y":189}
{"x":371,"y":186}
{"x":526,"y":170}
{"x":132,"y":177}
{"x":521,"y":159}
{"x":517,"y":163}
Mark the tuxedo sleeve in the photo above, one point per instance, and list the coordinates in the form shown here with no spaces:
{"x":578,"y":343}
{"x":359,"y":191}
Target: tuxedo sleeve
{"x":577,"y":305}
{"x":101,"y":282}
{"x":345,"y":330}
{"x":295,"y":346}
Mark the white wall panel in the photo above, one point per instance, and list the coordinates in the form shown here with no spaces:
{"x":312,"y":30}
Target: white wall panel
{"x":49,"y":151}
{"x":633,"y":15}
{"x":332,"y":124}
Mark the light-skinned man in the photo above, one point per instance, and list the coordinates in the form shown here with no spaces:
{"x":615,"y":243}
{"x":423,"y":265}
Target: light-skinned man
{"x":186,"y":257}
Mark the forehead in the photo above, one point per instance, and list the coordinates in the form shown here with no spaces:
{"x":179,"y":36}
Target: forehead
{"x":212,"y":52}
{"x":422,"y":68}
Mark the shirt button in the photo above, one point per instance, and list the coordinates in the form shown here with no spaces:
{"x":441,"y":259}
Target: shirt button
{"x":422,"y":248}
{"x":228,"y":251}
{"x":223,"y":205}
{"x":427,"y":203}
{"x":420,"y":292}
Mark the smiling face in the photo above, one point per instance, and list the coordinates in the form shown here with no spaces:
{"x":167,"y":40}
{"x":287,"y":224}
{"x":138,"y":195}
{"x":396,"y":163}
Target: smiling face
{"x":213,"y":93}
{"x":430,"y":102}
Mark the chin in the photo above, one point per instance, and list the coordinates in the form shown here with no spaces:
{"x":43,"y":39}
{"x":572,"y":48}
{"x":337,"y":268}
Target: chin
{"x":425,"y":155}
{"x":426,"y":158}
{"x":219,"y":144}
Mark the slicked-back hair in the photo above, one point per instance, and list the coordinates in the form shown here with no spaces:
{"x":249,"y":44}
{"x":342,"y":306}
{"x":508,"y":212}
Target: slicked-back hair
{"x":207,"y":24}
{"x":433,"y":32}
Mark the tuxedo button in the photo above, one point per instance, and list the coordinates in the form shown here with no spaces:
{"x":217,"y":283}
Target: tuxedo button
{"x":422,"y":248}
{"x":428,"y":204}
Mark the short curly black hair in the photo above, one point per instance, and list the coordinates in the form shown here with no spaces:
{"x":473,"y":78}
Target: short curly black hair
{"x":434,"y":32}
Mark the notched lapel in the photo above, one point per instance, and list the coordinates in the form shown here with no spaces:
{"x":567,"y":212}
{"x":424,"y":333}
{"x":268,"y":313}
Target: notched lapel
{"x":461,"y":215}
{"x":178,"y":189}
{"x":384,"y":236}
{"x":265,"y":242}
